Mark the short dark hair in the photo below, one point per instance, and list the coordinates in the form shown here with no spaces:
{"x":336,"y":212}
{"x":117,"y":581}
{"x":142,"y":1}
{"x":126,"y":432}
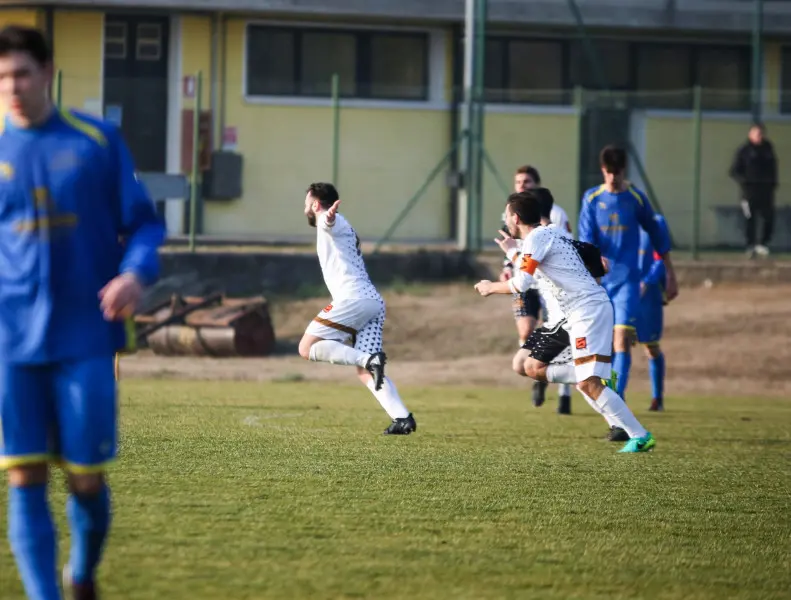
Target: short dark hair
{"x":531,"y":171}
{"x":325,"y":193}
{"x":525,"y":205}
{"x":758,"y":125}
{"x":613,"y":159}
{"x":545,"y":201}
{"x":17,"y":38}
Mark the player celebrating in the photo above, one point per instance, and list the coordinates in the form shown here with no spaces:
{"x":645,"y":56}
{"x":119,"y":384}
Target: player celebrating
{"x":610,"y":218}
{"x":526,"y":305}
{"x":650,"y":319}
{"x":589,"y":313}
{"x":357,"y":311}
{"x":69,"y":194}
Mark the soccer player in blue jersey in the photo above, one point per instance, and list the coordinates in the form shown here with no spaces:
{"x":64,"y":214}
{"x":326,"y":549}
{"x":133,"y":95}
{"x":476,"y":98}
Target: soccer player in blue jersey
{"x":68,"y":194}
{"x":650,"y":320}
{"x":611,"y":217}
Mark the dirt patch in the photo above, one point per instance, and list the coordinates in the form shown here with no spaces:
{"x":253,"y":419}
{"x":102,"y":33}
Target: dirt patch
{"x":728,"y":340}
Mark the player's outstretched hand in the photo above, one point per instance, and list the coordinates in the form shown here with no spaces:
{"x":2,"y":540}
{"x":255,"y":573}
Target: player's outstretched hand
{"x":484,"y":287}
{"x":506,"y":242}
{"x":120,"y":297}
{"x":331,"y":211}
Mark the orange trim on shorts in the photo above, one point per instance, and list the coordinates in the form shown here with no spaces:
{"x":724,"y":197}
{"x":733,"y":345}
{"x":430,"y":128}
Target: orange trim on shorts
{"x":528,"y":265}
{"x":584,"y":360}
{"x":337,"y":326}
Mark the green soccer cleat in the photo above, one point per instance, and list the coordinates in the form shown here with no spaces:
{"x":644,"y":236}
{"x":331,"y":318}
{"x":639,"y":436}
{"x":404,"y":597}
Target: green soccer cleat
{"x":641,"y":444}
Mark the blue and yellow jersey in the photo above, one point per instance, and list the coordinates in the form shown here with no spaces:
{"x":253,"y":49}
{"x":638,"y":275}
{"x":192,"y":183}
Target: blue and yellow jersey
{"x":613,"y":222}
{"x":68,"y":195}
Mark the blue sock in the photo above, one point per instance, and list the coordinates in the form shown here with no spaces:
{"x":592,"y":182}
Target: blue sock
{"x":31,"y":533}
{"x":656,"y":368}
{"x":621,"y":365}
{"x":89,"y":517}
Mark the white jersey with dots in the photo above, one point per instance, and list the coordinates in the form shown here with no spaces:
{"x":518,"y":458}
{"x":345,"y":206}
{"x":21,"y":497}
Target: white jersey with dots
{"x":552,"y":311}
{"x":341,"y":260}
{"x":559,"y":263}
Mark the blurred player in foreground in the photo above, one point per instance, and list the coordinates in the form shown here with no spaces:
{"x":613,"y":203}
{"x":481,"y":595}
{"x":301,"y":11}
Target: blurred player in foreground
{"x":69,"y":192}
{"x":651,"y":319}
{"x":527,"y":305}
{"x":349,"y":330}
{"x":610,"y":218}
{"x":545,"y":251}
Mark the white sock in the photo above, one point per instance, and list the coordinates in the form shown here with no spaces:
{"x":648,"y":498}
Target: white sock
{"x":595,"y":406}
{"x":389,"y":399}
{"x":614,"y":409}
{"x":564,"y":389}
{"x":337,"y":354}
{"x":563,"y":373}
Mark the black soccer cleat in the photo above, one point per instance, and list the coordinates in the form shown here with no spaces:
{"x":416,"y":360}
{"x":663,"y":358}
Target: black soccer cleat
{"x":564,"y":405}
{"x":617,"y":434}
{"x":403,"y":426}
{"x":376,"y":367}
{"x":78,"y":591}
{"x":539,"y":393}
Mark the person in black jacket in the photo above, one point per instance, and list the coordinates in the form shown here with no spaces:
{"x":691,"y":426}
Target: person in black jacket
{"x":755,"y":169}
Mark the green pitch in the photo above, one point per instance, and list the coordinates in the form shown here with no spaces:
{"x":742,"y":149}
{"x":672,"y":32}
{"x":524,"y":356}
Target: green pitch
{"x":245,"y":491}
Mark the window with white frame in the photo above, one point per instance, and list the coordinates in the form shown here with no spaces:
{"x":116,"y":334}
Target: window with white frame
{"x":371,"y":64}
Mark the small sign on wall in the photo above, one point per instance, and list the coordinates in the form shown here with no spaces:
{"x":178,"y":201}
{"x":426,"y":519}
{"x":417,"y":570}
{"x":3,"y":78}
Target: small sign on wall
{"x":189,"y":86}
{"x":93,"y":106}
{"x":230,"y":139}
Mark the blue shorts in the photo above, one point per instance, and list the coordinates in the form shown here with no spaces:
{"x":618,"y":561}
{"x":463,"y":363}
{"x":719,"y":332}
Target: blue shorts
{"x":63,"y":412}
{"x":625,"y":298}
{"x":650,"y":322}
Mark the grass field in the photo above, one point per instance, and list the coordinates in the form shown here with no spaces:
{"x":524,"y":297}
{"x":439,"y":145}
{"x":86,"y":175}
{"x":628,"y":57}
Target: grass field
{"x":237,"y":490}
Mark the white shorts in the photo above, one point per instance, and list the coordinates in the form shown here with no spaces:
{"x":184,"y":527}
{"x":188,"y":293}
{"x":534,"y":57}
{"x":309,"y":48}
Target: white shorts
{"x":358,"y":323}
{"x":590,"y":332}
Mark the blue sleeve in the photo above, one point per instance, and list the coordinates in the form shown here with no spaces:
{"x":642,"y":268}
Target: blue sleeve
{"x":656,"y":274}
{"x":586,"y":228}
{"x":141,"y":228}
{"x":657,"y":233}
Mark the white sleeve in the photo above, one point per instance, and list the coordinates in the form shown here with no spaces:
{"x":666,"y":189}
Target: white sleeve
{"x":338,"y":227}
{"x":538,"y":244}
{"x":521,"y":281}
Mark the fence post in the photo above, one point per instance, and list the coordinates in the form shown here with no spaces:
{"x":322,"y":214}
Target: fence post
{"x":58,"y":88}
{"x":195,"y":158}
{"x":696,"y":162}
{"x":336,"y":126}
{"x":579,"y":113}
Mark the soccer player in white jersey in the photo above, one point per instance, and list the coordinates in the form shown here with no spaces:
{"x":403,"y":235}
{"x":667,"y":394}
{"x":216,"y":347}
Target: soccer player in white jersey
{"x":589,"y":313}
{"x":349,"y":330}
{"x":527,"y":305}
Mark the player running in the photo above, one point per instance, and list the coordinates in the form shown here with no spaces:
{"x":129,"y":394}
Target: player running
{"x":546,"y":252}
{"x":69,"y":193}
{"x":526,"y":306}
{"x":349,"y":330}
{"x":651,"y":319}
{"x":611,"y":216}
